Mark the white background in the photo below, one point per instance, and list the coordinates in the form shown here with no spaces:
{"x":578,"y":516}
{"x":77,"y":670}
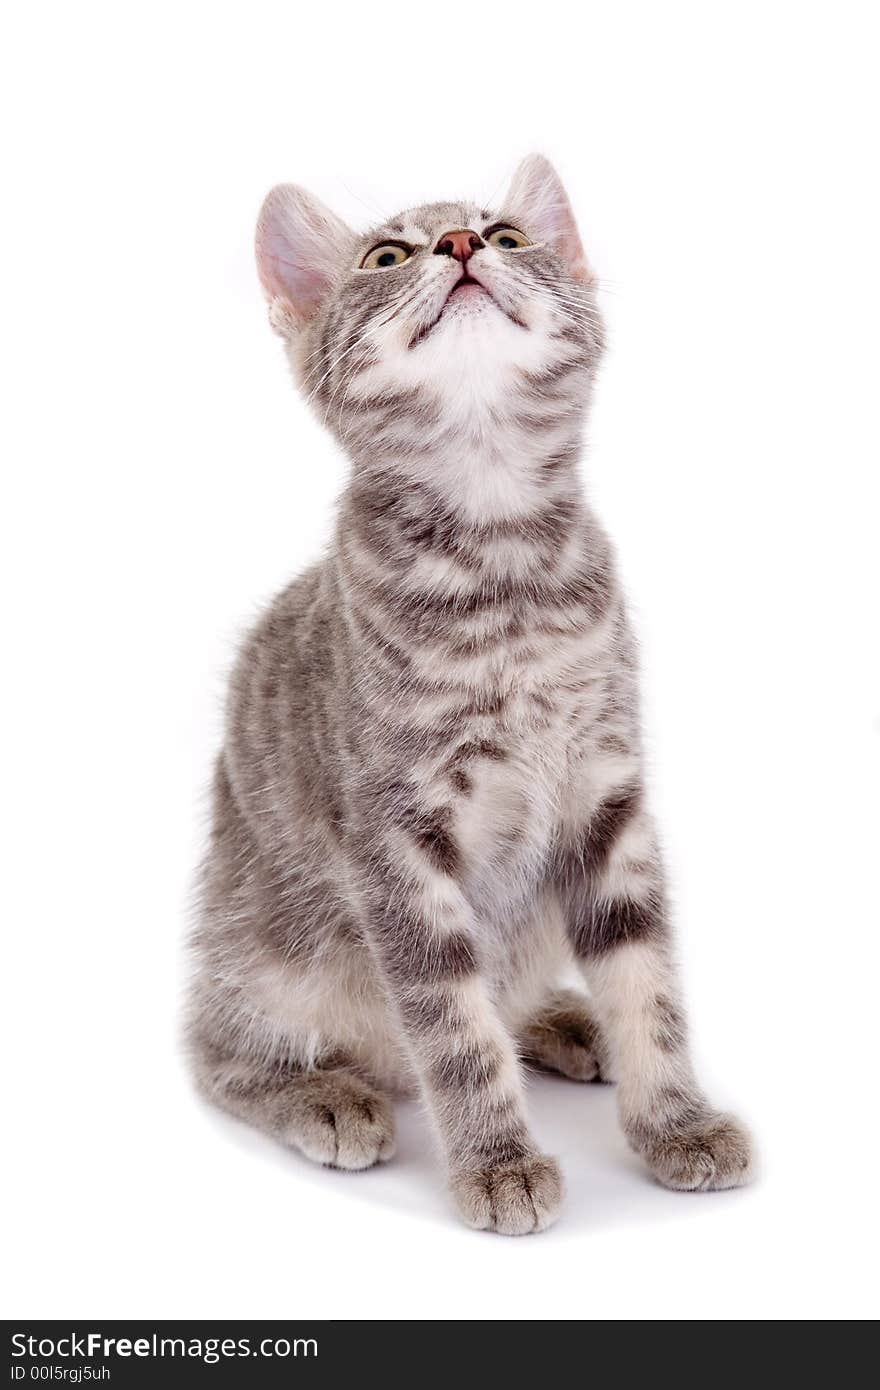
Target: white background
{"x":161,"y":480}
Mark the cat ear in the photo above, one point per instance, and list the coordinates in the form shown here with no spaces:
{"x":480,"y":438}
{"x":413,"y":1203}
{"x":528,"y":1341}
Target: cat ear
{"x":300,"y":247}
{"x":538,"y":200}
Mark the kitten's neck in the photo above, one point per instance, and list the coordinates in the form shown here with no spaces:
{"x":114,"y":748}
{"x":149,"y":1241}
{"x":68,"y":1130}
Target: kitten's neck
{"x":480,"y":472}
{"x":460,"y":521}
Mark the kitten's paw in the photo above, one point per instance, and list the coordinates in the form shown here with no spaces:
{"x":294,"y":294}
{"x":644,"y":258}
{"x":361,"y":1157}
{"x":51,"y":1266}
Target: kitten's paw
{"x":512,"y":1198}
{"x":715,"y":1153}
{"x":564,"y":1037}
{"x":340,"y":1120}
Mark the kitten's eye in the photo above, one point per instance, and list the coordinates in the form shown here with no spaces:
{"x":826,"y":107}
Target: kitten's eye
{"x":382,"y":257}
{"x":508,"y":238}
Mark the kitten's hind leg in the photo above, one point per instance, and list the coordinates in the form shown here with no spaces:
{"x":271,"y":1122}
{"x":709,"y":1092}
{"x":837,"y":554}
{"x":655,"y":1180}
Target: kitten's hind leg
{"x":564,"y":1037}
{"x":331,"y":1114}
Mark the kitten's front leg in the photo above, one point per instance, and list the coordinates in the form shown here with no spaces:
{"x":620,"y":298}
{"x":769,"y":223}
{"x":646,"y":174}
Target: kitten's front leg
{"x":611,"y":883}
{"x":422,"y":931}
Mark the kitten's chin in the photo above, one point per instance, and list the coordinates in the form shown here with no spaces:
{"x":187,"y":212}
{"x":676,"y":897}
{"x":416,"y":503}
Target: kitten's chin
{"x":469,"y":303}
{"x":468,"y":297}
{"x":468,"y":306}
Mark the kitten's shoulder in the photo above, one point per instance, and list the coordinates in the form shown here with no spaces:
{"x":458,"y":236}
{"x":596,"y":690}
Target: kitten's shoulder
{"x":285,"y":644}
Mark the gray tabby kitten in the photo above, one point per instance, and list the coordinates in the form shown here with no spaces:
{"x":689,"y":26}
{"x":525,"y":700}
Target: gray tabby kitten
{"x":429,"y":806}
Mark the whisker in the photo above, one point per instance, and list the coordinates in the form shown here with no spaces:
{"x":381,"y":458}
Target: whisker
{"x":362,"y":338}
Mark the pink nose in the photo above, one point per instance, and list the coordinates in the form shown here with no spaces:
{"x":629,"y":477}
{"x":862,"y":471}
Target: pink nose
{"x":461,"y":245}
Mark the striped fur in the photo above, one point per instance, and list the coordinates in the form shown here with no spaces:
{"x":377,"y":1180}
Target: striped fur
{"x":429,"y":802}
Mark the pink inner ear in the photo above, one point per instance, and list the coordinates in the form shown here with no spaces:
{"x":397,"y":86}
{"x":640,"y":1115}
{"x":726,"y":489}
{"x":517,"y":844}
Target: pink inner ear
{"x":560,"y":229}
{"x":298,"y":244}
{"x":572,"y":252}
{"x":283,"y":271}
{"x":538,"y":191}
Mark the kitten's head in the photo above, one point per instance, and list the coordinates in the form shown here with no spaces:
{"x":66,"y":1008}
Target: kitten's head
{"x":459,"y":311}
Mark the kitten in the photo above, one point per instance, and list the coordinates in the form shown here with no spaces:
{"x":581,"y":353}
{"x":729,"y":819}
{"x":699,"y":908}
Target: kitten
{"x":429,"y":806}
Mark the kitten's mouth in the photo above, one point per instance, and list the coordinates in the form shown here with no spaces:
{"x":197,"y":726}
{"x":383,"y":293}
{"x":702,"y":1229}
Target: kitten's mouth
{"x":465,"y":283}
{"x":465,"y":286}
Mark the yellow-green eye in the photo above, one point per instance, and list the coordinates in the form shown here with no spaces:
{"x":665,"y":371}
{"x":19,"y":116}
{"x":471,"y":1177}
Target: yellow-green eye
{"x":508,"y":238}
{"x":386,"y":255}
